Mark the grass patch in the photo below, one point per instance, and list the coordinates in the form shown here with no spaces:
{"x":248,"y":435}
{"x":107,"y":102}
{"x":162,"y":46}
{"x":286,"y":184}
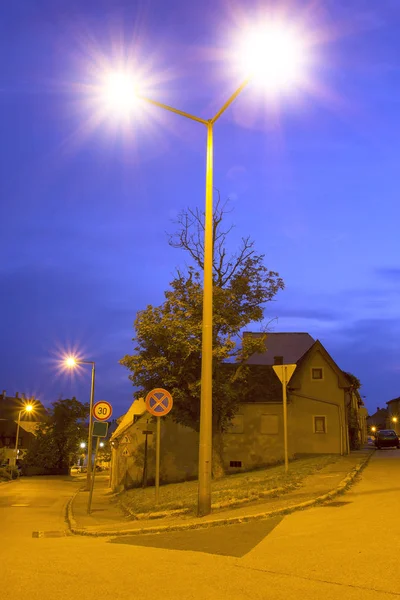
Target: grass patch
{"x":232,"y":490}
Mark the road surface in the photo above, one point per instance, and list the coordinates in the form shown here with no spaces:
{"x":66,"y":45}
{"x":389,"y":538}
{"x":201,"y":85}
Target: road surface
{"x":348,"y":550}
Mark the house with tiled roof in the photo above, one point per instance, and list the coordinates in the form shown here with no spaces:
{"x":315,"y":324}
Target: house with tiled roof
{"x":393,"y":414}
{"x":320,"y":401}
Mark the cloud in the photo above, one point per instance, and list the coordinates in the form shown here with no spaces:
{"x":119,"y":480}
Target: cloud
{"x":309,"y":313}
{"x":391,"y":274}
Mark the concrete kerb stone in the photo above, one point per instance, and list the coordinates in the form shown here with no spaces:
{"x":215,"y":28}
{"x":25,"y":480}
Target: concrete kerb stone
{"x":343,"y":486}
{"x":69,"y":515}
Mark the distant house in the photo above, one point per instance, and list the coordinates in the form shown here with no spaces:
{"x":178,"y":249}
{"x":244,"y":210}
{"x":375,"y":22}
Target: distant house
{"x":321,"y":404}
{"x":10,"y":407}
{"x":378,"y":419}
{"x":393,"y":414}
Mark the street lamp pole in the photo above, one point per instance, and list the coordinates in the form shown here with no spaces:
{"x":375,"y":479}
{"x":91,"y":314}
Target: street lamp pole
{"x":205,"y":435}
{"x":72,"y":362}
{"x":26,"y":408}
{"x":90,"y":436}
{"x":17,"y":436}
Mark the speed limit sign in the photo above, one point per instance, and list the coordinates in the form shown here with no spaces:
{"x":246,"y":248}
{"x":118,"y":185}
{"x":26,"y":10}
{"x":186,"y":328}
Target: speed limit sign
{"x":102,"y":410}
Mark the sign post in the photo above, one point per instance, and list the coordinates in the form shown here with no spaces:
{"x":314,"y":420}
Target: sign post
{"x":158,"y":403}
{"x":284,"y":373}
{"x":146,"y":433}
{"x":102,"y":411}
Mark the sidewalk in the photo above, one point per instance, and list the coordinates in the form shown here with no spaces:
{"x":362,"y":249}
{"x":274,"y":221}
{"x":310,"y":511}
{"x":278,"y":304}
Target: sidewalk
{"x":108,"y":519}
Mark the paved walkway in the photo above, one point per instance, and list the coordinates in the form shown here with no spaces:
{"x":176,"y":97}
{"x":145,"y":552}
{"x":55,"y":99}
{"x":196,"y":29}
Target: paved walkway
{"x":107,"y":518}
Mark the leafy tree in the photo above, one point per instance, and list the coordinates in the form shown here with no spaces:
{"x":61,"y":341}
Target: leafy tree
{"x":354,"y":381}
{"x":56,"y":443}
{"x":167,"y":349}
{"x":352,"y":414}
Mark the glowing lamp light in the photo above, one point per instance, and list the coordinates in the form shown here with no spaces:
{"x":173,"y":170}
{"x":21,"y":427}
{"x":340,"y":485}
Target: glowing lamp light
{"x":394,"y":419}
{"x":119,"y":93}
{"x":71,"y":362}
{"x":274,"y":56}
{"x":82,"y":445}
{"x":28,"y":408}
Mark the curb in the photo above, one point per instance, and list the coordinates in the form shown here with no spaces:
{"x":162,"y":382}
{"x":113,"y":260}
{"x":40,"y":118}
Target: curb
{"x":343,"y":486}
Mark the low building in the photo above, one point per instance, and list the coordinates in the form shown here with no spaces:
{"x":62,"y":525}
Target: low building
{"x":378,"y":420}
{"x":393,"y":414}
{"x":320,"y":400}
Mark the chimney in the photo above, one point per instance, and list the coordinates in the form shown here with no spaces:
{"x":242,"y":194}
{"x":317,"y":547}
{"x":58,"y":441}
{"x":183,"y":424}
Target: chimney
{"x":16,"y":394}
{"x":23,"y":396}
{"x":377,"y":409}
{"x":278,"y":360}
{"x":4,"y":394}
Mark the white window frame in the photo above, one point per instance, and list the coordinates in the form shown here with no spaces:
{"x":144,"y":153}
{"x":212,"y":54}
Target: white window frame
{"x":317,"y":378}
{"x":325,"y":422}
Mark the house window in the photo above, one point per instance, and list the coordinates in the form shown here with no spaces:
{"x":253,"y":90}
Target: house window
{"x":235,"y":463}
{"x":270,"y":424}
{"x":317,"y":373}
{"x":320,"y":424}
{"x":237,"y":424}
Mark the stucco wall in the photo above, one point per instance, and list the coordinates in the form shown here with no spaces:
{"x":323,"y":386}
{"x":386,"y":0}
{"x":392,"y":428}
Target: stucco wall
{"x":178,"y":454}
{"x":252,"y":446}
{"x":312,"y":398}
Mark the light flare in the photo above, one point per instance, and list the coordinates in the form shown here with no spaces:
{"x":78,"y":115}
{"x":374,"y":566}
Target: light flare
{"x":274,"y":56}
{"x":119,"y":93}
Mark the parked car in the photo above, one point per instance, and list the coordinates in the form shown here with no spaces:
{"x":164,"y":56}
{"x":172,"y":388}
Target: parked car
{"x":386,"y":438}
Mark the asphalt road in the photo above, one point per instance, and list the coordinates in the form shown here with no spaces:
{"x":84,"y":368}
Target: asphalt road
{"x":330,"y":552}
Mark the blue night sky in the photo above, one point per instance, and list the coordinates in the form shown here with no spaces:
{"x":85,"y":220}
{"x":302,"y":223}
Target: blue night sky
{"x":86,"y":200}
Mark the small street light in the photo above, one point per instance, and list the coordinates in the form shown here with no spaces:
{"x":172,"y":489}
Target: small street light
{"x":71,"y":362}
{"x":27,"y":408}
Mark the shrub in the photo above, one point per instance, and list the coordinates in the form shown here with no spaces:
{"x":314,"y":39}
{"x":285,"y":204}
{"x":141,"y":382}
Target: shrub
{"x":8,"y":473}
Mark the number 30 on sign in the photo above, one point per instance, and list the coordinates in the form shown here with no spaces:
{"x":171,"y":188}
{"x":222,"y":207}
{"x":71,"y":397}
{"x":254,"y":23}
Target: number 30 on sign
{"x":102,"y":410}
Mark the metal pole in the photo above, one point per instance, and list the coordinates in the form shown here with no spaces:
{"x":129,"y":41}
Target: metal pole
{"x":89,"y":506}
{"x":90,"y":437}
{"x":158,"y":459}
{"x":16,"y":439}
{"x":205,"y":441}
{"x":144,"y":481}
{"x":285,"y":433}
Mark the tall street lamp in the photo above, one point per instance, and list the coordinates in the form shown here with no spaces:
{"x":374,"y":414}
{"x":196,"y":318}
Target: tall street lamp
{"x":276,"y":56}
{"x":27,"y":408}
{"x":72,"y":362}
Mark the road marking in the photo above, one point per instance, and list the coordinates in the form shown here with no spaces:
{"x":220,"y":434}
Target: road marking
{"x":48,"y":534}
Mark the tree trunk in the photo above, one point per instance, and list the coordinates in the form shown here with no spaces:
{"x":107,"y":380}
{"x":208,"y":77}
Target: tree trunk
{"x":218,"y":470}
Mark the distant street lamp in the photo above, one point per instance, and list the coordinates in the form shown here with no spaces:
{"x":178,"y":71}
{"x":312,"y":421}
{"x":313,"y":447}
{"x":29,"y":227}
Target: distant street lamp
{"x":373,"y":429}
{"x":82,"y":445}
{"x":276,"y":56}
{"x":27,"y":408}
{"x":394,"y":419}
{"x":71,"y":362}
